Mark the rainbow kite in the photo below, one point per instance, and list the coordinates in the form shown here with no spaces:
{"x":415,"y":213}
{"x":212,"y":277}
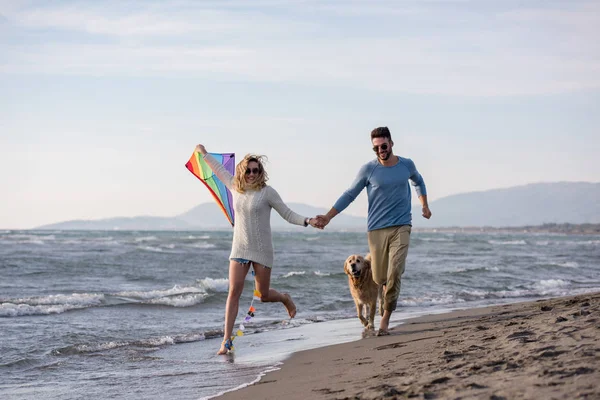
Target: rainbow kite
{"x":220,"y":193}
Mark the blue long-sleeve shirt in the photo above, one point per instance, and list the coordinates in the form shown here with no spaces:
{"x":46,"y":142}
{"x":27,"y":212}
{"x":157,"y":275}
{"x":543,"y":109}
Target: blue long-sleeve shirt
{"x":388,"y":192}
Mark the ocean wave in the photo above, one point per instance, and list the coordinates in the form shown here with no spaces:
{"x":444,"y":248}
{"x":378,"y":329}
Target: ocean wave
{"x":219,"y":285}
{"x":185,"y":300}
{"x":550,"y":284}
{"x":202,"y":245}
{"x":154,"y":294}
{"x":52,"y":304}
{"x":143,"y":343}
{"x":193,"y":237}
{"x":24,"y":364}
{"x":304,"y":273}
{"x":151,"y":248}
{"x":543,"y":288}
{"x":84,"y":299}
{"x":29,"y":239}
{"x":460,"y":270}
{"x":430,"y":300}
{"x":428,"y":239}
{"x":508,"y":242}
{"x":176,"y":296}
{"x":145,"y":239}
{"x":293,"y":273}
{"x":19,"y":310}
{"x":548,"y":287}
{"x":565,"y":264}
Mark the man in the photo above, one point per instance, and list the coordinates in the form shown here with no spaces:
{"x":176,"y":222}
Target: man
{"x":389,"y":216}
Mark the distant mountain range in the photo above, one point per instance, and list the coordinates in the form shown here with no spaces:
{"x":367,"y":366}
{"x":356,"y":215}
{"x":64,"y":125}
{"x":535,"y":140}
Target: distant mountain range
{"x":533,"y":204}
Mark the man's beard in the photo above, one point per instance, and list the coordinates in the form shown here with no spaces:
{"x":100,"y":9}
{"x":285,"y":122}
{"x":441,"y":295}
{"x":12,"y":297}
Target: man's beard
{"x":386,"y":157}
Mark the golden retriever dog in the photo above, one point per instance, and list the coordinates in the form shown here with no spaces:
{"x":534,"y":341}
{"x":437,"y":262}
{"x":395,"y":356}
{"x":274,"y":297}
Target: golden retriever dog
{"x":362,"y":287}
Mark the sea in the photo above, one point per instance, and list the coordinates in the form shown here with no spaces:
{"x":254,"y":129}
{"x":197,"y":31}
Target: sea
{"x":139,"y":314}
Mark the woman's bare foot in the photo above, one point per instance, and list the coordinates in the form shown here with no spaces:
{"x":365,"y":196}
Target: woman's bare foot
{"x":223,"y":349}
{"x":289,"y":305}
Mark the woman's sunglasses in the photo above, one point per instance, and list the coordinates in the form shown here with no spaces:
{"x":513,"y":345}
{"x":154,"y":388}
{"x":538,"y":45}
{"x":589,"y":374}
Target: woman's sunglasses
{"x":382,"y":147}
{"x":255,"y":171}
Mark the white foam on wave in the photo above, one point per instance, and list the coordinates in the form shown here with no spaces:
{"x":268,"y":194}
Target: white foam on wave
{"x":76,"y":299}
{"x":294,"y":273}
{"x":508,"y":242}
{"x":463,"y":269}
{"x":187,"y":300}
{"x":192,"y":237}
{"x":28,"y":239}
{"x":151,"y":248}
{"x":176,"y":296}
{"x":430,"y":300}
{"x":146,"y":239}
{"x":568,"y":264}
{"x":593,"y":242}
{"x":157,"y":294}
{"x":92,"y":348}
{"x":220,"y":285}
{"x":202,"y":245}
{"x":149,"y":343}
{"x":550,"y":284}
{"x":442,"y":239}
{"x":19,"y":310}
{"x":53,"y":304}
{"x":319,"y":273}
{"x":547,"y":287}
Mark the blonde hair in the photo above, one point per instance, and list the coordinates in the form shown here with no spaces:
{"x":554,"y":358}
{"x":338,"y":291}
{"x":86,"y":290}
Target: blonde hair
{"x":239,"y":179}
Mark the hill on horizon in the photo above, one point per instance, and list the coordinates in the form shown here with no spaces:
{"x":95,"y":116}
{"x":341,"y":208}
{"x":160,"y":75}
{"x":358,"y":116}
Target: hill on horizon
{"x":532,"y":204}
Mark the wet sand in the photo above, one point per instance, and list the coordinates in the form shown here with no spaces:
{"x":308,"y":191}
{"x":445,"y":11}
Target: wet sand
{"x":546,"y":349}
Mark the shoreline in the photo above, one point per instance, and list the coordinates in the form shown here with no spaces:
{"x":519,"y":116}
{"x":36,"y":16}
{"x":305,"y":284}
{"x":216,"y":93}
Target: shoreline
{"x":535,"y":349}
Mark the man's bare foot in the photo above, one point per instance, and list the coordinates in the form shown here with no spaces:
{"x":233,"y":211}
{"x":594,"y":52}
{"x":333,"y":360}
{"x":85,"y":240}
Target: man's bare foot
{"x":384,"y":324}
{"x":289,"y":305}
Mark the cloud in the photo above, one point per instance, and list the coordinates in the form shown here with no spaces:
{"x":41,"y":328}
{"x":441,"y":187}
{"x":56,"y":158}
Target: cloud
{"x":457,"y":51}
{"x":144,"y":19}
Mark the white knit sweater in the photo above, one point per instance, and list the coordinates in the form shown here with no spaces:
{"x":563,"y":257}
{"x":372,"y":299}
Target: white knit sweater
{"x":252,"y":229}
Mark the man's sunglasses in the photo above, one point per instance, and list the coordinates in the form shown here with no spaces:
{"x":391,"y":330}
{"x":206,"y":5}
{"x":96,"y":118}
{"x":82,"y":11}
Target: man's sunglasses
{"x":252,"y":170}
{"x":382,"y":147}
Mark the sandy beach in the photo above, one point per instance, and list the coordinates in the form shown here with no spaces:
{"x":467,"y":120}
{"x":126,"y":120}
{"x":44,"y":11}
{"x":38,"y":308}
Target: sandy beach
{"x":546,"y":349}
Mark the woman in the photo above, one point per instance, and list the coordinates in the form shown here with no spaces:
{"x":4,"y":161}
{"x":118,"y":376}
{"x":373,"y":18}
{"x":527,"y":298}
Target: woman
{"x":252,"y":243}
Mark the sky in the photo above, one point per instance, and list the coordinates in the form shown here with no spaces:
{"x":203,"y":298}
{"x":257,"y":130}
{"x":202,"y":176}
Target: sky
{"x":103,"y":102}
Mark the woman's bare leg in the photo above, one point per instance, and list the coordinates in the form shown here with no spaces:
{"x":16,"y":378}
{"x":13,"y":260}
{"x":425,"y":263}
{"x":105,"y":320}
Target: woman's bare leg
{"x":237,"y":275}
{"x":268,"y":295}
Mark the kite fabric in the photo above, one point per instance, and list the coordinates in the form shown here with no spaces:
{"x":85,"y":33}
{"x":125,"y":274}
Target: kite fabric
{"x":220,"y":193}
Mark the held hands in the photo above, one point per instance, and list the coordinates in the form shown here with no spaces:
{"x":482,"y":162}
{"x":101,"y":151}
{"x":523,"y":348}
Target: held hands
{"x":320,"y":221}
{"x":200,"y":149}
{"x":314,"y":223}
{"x":426,"y":212}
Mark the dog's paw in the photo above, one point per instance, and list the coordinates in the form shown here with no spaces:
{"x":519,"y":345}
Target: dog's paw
{"x":371,"y":326}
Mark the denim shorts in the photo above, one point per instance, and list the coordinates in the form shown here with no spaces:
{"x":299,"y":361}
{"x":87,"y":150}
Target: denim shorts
{"x":241,"y":260}
{"x":244,"y":261}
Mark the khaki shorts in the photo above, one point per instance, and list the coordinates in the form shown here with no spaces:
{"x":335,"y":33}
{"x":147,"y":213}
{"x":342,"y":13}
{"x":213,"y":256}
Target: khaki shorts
{"x":389,"y":248}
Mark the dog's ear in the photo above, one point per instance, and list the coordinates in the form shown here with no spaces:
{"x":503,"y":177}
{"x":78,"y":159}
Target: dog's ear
{"x":368,"y":257}
{"x":346,"y":267}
